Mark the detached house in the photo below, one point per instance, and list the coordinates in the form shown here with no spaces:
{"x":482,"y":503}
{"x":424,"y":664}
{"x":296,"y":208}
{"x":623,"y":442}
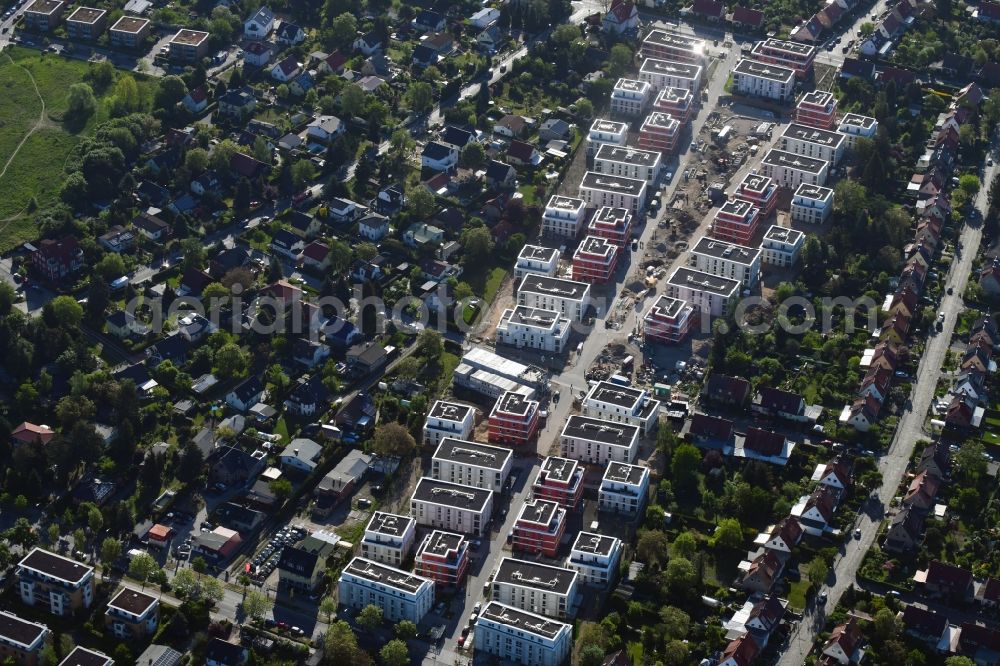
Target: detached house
{"x":56,"y":259}
{"x":286,"y":70}
{"x":260,"y":25}
{"x":246,"y":395}
{"x":325,"y":129}
{"x":369,"y":43}
{"x":622,"y":17}
{"x":290,"y":34}
{"x":725,"y":390}
{"x":946,"y":581}
{"x":438,"y":156}
{"x":257,"y":54}
{"x":844,"y":645}
{"x":762,"y":573}
{"x":784,"y":404}
{"x":905,"y":531}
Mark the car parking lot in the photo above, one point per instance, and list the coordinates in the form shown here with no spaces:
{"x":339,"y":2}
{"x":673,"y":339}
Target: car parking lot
{"x":263,"y":564}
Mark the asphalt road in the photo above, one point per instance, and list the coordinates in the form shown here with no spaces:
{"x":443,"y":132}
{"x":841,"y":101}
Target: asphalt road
{"x":911,"y":428}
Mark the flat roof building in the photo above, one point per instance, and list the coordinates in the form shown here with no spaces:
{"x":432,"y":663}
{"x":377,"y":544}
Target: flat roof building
{"x":536,"y":259}
{"x":669,"y":74}
{"x":188,"y":45}
{"x":813,"y":142}
{"x":132,"y":615}
{"x":388,"y":538}
{"x":630,"y":97}
{"x":812,"y":204}
{"x":129,"y":31}
{"x":781,"y":246}
{"x":563,"y":216}
{"x":724,"y":259}
{"x":629,"y":162}
{"x":595,"y":441}
{"x":622,"y":404}
{"x":758,"y":79}
{"x":83,"y":657}
{"x":443,"y":557}
{"x":560,"y":480}
{"x":44,"y":15}
{"x":595,"y":558}
{"x":522,"y":637}
{"x":539,"y":527}
{"x":567,"y":297}
{"x":613,"y":224}
{"x":795,"y":55}
{"x":86,"y":23}
{"x":514,"y":420}
{"x":468,"y":463}
{"x":20,"y":639}
{"x":595,"y":260}
{"x":668,"y":321}
{"x":670,"y":45}
{"x":736,"y":221}
{"x":56,"y":583}
{"x":448,"y":419}
{"x":623,"y":489}
{"x":760,"y":191}
{"x":599,"y":189}
{"x":676,"y":102}
{"x":854,"y":126}
{"x":531,"y":328}
{"x":400,"y":594}
{"x":535,"y":587}
{"x":710,"y":294}
{"x":659,"y":132}
{"x":452,"y":507}
{"x":606,"y":131}
{"x":491,"y":375}
{"x":790,"y":170}
{"x":817,"y":108}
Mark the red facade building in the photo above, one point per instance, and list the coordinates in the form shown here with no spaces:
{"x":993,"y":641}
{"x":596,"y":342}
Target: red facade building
{"x":737,"y":222}
{"x":559,"y":480}
{"x":817,"y":108}
{"x":613,"y":224}
{"x":539,"y":527}
{"x":761,"y":191}
{"x":659,"y":131}
{"x":55,"y":259}
{"x":669,"y":320}
{"x":595,"y":260}
{"x":676,"y":102}
{"x":514,"y":420}
{"x":443,"y":557}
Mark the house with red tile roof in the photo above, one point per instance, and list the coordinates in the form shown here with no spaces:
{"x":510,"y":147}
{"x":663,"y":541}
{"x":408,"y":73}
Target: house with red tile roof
{"x":844,"y":643}
{"x":28,"y":433}
{"x":947,"y":581}
{"x":922,"y":492}
{"x":747,"y":18}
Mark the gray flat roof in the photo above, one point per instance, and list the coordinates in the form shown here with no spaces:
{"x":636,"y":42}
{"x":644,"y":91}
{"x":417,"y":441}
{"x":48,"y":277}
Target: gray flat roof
{"x":590,"y":542}
{"x":783,"y":234}
{"x":441,"y":543}
{"x":680,"y":70}
{"x":86,"y":15}
{"x":615,"y":153}
{"x":596,"y":245}
{"x":816,"y":192}
{"x":631,"y":85}
{"x":536,"y":317}
{"x":608,"y":183}
{"x":535,"y":575}
{"x":692,"y":279}
{"x":537,"y":253}
{"x":569,"y":204}
{"x":607,"y":216}
{"x":189,"y":37}
{"x":17,"y":630}
{"x":796,"y":48}
{"x":514,"y":403}
{"x":384,"y":575}
{"x":129,"y":24}
{"x":675,"y":95}
{"x":661,"y":119}
{"x":472,"y":453}
{"x":818,"y":98}
{"x":538,"y":511}
{"x":83,"y":657}
{"x":813,"y":135}
{"x":559,"y":469}
{"x":857,"y":120}
{"x":450,"y":411}
{"x":756,"y":183}
{"x":523,"y":620}
{"x":132,"y":601}
{"x":793,"y":161}
{"x":604,"y":125}
{"x":763,"y":70}
{"x":740,"y":254}
{"x":595,"y":430}
{"x":624,"y":473}
{"x":451,"y":494}
{"x":389,"y":524}
{"x":737,"y":208}
{"x":45,"y":7}
{"x":556,"y":287}
{"x":624,"y":396}
{"x":56,"y":566}
{"x":667,"y":307}
{"x":675,"y":40}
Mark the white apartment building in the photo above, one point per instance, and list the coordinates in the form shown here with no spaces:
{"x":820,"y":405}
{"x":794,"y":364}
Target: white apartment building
{"x":568,"y":298}
{"x":623,"y":489}
{"x":812,"y":204}
{"x":710,"y":293}
{"x":758,"y":79}
{"x":854,"y":126}
{"x":781,"y":246}
{"x":536,"y":259}
{"x":670,"y":45}
{"x":622,"y":404}
{"x":595,"y":557}
{"x":389,"y":538}
{"x":531,"y":328}
{"x":789,"y":170}
{"x":630,"y":97}
{"x":452,"y":507}
{"x":597,"y":442}
{"x":728,"y":260}
{"x":563,"y":216}
{"x":629,"y":163}
{"x":606,"y":131}
{"x":56,"y":583}
{"x":448,"y":419}
{"x":599,"y":189}
{"x":813,"y":142}
{"x":400,"y":594}
{"x":535,"y":587}
{"x":132,"y":614}
{"x":472,"y":464}
{"x":521,"y":637}
{"x":669,"y":74}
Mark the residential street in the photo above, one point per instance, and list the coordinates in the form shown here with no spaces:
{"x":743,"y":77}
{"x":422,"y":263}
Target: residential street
{"x":911,"y":428}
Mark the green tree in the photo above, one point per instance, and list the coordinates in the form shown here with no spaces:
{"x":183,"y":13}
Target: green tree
{"x":565,"y":34}
{"x":343,"y":29}
{"x":419,"y":96}
{"x":111,"y":550}
{"x":186,"y":584}
{"x":401,"y":146}
{"x":53,"y":532}
{"x":196,"y":161}
{"x":970,"y":460}
{"x":619,"y":60}
{"x":729,"y":534}
{"x":98,"y":297}
{"x":585,"y":108}
{"x":81,"y":104}
{"x":684,"y":545}
{"x":222,"y":155}
{"x":652,"y":547}
{"x":340,"y":645}
{"x":169,"y":92}
{"x":421,"y":202}
{"x":477,"y":245}
{"x":65,"y":312}
{"x":142,"y":567}
{"x":193,"y":253}
{"x":681,"y":577}
{"x":684,"y":467}
{"x":395,"y":653}
{"x":328,"y":609}
{"x":255,"y":605}
{"x":231,"y":360}
{"x":282,"y":489}
{"x":959,"y":660}
{"x":392,"y":439}
{"x":212,"y":589}
{"x":370,"y":617}
{"x":406,"y":630}
{"x":472,"y":156}
{"x":969,"y":183}
{"x":199,"y":565}
{"x":675,"y":622}
{"x":430,"y":344}
{"x":818,"y":570}
{"x":352,"y":100}
{"x":303,"y":172}
{"x":884,"y":625}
